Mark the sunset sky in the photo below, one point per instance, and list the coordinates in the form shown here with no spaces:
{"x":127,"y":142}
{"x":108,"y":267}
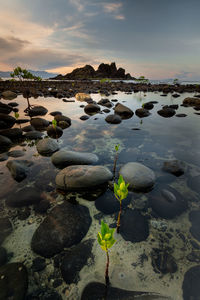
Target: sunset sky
{"x":156,"y":38}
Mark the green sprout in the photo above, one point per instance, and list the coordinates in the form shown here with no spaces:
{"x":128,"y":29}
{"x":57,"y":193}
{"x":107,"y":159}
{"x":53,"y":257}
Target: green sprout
{"x":121,"y":192}
{"x":54,"y":123}
{"x":106,"y":241}
{"x":16,"y":115}
{"x":115,"y":160}
{"x":175,"y":81}
{"x":143,"y":105}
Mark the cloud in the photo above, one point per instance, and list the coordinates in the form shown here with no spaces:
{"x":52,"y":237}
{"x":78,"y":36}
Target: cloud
{"x":11,"y":44}
{"x":120,"y":17}
{"x":77,"y":3}
{"x":112,"y":7}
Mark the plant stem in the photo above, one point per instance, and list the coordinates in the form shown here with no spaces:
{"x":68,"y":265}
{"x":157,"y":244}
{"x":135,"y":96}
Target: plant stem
{"x":114,"y":166}
{"x":107,"y":267}
{"x":119,"y":215}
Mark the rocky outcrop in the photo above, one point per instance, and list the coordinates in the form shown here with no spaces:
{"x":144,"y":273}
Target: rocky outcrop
{"x":103,"y":71}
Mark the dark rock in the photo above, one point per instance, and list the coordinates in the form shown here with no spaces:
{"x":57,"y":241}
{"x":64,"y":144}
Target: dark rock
{"x":42,"y":206}
{"x":123,"y":111}
{"x":191,"y":284}
{"x":166,"y":112}
{"x":84,"y":117}
{"x":37,"y":111}
{"x":65,"y":226}
{"x":54,"y":113}
{"x":5,"y":109}
{"x":92,"y":109}
{"x":19,"y":169}
{"x":13,"y":104}
{"x":194,"y":218}
{"x":61,"y":118}
{"x":3,"y":156}
{"x":174,"y":106}
{"x":6,"y":121}
{"x":113,"y":119}
{"x":106,"y":110}
{"x":38,"y":264}
{"x":98,"y":291}
{"x":14,"y":281}
{"x":168,"y":203}
{"x":6,"y":229}
{"x":23,"y":213}
{"x":134,"y":226}
{"x":22,"y":121}
{"x":174,"y":167}
{"x":74,"y":260}
{"x":28,"y":128}
{"x":54,"y":132}
{"x":105,"y":102}
{"x":163,"y":262}
{"x":142,"y":112}
{"x":82,"y":177}
{"x":189,"y":101}
{"x":139,"y":177}
{"x":44,"y":294}
{"x":148,"y":105}
{"x":33,"y":135}
{"x":3,"y":256}
{"x":64,"y":158}
{"x":13,"y":133}
{"x":24,"y":197}
{"x":5,"y":143}
{"x":108,"y":204}
{"x":39,"y":123}
{"x":175,"y":95}
{"x":47,"y":146}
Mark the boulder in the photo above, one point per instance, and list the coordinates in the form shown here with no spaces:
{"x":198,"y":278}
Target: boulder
{"x":54,"y":131}
{"x":148,"y":105}
{"x":189,"y":101}
{"x":5,"y":143}
{"x":3,"y":256}
{"x":64,"y":158}
{"x":74,"y":260}
{"x":191,"y":284}
{"x":123,"y":111}
{"x":113,"y":119}
{"x":166,"y":112}
{"x":6,"y":228}
{"x":82,"y":177}
{"x":47,"y":146}
{"x":33,"y":135}
{"x":5,"y":109}
{"x":37,"y":111}
{"x":61,"y":118}
{"x":28,"y":128}
{"x":83,"y":97}
{"x":92,"y":109}
{"x":142,"y":112}
{"x":19,"y":169}
{"x":39,"y":123}
{"x":14,"y":281}
{"x":16,"y":153}
{"x":12,"y":133}
{"x":6,"y":121}
{"x":65,"y":226}
{"x":84,"y":117}
{"x":8,"y":95}
{"x":139,"y":177}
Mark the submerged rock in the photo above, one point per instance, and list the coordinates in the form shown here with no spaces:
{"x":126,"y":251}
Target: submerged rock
{"x":14,"y":281}
{"x":134,"y":226}
{"x":82,"y":177}
{"x":64,"y":158}
{"x":168,"y":203}
{"x":6,"y":228}
{"x":3,"y":256}
{"x":194,"y":218}
{"x":47,"y":146}
{"x":24,"y":197}
{"x":138,"y":176}
{"x":163,"y":262}
{"x":19,"y":168}
{"x":97,"y":290}
{"x":123,"y":111}
{"x":65,"y":226}
{"x":74,"y":260}
{"x":174,"y":167}
{"x":191,"y":284}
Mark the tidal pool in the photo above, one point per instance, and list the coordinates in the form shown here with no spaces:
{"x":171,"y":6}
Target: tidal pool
{"x":171,"y":248}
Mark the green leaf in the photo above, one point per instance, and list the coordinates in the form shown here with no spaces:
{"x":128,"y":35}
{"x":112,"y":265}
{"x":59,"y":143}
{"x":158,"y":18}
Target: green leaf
{"x":104,"y":229}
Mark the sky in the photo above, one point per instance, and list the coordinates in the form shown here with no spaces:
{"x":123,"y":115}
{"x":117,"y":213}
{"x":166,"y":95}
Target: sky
{"x":158,"y":39}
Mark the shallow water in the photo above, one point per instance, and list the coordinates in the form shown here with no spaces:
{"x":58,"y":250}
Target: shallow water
{"x":157,"y":140}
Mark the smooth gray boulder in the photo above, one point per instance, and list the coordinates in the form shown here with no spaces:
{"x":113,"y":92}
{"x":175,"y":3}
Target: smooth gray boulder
{"x":47,"y":146}
{"x":9,"y":95}
{"x":123,"y":111}
{"x":19,"y":168}
{"x":138,"y":176}
{"x":64,"y":158}
{"x":82,"y":177}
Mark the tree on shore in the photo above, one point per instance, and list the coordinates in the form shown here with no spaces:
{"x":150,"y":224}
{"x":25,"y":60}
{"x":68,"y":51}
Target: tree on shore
{"x":22,"y":74}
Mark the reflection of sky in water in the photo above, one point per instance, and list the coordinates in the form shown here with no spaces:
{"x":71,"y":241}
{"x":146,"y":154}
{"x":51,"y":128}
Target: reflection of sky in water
{"x":159,"y":138}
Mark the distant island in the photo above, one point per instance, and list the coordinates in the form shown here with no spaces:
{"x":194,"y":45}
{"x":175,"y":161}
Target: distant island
{"x":103,"y":71}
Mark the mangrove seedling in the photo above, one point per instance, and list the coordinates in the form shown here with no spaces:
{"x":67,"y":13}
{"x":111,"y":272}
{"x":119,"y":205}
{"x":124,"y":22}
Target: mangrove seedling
{"x":121,"y":192}
{"x":115,"y":159}
{"x":106,"y":241}
{"x":54,"y":124}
